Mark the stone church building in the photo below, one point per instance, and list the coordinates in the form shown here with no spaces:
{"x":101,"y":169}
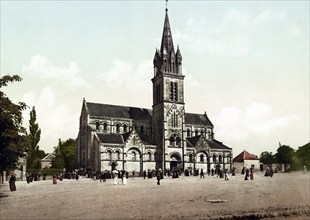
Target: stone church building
{"x":164,"y":136}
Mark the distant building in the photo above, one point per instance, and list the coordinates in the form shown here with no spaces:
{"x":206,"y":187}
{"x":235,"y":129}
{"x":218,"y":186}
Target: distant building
{"x":136,"y":139}
{"x":247,"y":160}
{"x":46,"y":162}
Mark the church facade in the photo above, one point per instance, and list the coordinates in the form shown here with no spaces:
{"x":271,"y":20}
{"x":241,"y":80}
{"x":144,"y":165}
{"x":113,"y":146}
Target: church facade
{"x":164,"y":136}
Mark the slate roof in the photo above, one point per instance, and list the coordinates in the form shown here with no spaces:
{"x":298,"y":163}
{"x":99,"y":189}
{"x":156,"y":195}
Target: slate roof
{"x":197,"y":119}
{"x":244,"y":155}
{"x":110,"y":138}
{"x":213,"y":144}
{"x":116,"y":111}
{"x":193,"y":140}
{"x":125,"y":112}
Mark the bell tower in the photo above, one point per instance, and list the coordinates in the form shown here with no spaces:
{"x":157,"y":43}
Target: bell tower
{"x":168,"y":102}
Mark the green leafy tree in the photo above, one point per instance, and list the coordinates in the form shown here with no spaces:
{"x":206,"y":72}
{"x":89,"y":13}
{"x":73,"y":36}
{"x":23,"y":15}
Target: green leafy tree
{"x":34,"y":154}
{"x":267,"y":158}
{"x":64,"y":155}
{"x":12,"y":134}
{"x":285,"y":155}
{"x":303,"y":155}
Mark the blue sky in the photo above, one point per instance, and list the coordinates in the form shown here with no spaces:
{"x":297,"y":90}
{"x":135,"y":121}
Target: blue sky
{"x":246,"y":63}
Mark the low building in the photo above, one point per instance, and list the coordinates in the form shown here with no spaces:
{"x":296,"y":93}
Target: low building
{"x":247,"y":160}
{"x":46,"y":162}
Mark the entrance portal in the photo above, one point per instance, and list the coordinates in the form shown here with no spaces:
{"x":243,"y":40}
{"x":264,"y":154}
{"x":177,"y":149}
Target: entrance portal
{"x":175,"y":162}
{"x":113,"y":166}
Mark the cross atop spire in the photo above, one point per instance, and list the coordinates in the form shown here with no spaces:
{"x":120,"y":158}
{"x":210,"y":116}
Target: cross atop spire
{"x":166,"y":5}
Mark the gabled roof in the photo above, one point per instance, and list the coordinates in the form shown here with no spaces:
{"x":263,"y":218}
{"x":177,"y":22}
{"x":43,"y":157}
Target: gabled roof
{"x":193,"y":140}
{"x":110,"y":138}
{"x":197,"y":119}
{"x":135,"y":113}
{"x":213,"y":144}
{"x":116,"y":111}
{"x":50,"y":156}
{"x":244,"y":155}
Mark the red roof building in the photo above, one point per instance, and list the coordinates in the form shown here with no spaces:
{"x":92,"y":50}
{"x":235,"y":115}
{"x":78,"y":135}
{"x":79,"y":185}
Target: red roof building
{"x":247,"y":160}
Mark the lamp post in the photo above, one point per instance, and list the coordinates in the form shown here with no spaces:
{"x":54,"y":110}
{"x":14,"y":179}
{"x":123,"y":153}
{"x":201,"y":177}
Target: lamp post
{"x":194,"y":154}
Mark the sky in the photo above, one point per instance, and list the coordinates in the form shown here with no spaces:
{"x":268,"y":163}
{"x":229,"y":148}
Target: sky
{"x":246,"y":63}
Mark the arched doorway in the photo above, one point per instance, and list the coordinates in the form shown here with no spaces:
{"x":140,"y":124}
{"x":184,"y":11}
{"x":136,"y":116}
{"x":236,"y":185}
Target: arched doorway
{"x":175,"y":162}
{"x":113,"y":165}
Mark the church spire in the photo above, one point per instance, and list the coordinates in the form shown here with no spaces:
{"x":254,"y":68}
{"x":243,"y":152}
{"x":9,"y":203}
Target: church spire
{"x":166,"y":60}
{"x":166,"y":40}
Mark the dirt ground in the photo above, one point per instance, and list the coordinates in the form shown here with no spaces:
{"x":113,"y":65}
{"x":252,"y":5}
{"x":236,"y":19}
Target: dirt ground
{"x":285,"y":195}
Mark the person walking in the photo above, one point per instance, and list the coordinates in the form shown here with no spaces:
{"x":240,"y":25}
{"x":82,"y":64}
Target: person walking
{"x":226,"y":175}
{"x":12,"y":182}
{"x":246,"y":174}
{"x":202,"y":174}
{"x":144,"y":174}
{"x":159,"y":176}
{"x":133,"y":174}
{"x":124,"y":177}
{"x":54,"y":179}
{"x":251,"y":174}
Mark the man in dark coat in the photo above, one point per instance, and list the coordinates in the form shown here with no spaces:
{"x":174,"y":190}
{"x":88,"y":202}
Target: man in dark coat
{"x":159,"y":176}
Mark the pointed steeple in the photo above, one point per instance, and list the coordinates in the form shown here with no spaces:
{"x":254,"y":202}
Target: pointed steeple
{"x":166,"y":60}
{"x":166,"y":40}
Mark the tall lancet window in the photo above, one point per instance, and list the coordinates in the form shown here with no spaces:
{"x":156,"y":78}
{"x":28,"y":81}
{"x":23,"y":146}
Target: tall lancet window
{"x":174,"y":120}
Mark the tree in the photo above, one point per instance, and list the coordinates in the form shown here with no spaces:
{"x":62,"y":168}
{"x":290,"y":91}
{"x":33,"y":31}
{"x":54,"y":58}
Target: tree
{"x":64,"y":155}
{"x":303,"y":155}
{"x":285,"y":155}
{"x":34,"y":155}
{"x":12,"y":134}
{"x":267,"y":157}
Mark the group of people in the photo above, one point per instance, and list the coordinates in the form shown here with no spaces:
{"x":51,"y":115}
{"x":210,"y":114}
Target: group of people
{"x":249,"y":173}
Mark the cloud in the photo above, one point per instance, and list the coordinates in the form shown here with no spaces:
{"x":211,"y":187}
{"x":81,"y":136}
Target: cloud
{"x":56,"y":120}
{"x":256,"y":119}
{"x":231,"y":36}
{"x":268,"y":16}
{"x":125,"y":75}
{"x":41,"y":67}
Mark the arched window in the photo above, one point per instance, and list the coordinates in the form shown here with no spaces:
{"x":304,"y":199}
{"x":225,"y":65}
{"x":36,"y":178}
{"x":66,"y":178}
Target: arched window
{"x":188,"y":133}
{"x":149,"y":155}
{"x":196,"y":133}
{"x":201,"y":158}
{"x":125,"y":128}
{"x":109,"y":154}
{"x":220,"y":158}
{"x":178,"y":141}
{"x":190,"y":157}
{"x":118,"y":155}
{"x":172,"y":140}
{"x":134,"y":155}
{"x":117,"y":127}
{"x":105,"y":126}
{"x":214,"y":159}
{"x":142,"y":129}
{"x":97,"y":125}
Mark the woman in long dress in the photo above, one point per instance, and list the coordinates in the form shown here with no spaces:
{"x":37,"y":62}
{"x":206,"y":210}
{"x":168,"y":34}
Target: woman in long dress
{"x":12,"y":182}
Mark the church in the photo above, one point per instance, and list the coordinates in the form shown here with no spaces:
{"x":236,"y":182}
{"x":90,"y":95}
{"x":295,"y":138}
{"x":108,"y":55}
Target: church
{"x":164,"y":136}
